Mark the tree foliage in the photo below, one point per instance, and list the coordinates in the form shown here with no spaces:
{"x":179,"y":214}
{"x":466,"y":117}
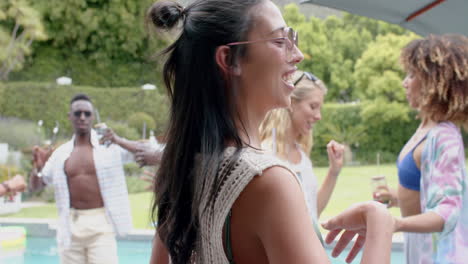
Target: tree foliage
{"x":50,"y":103}
{"x":99,"y":29}
{"x":20,"y":25}
{"x":104,"y":43}
{"x":332,"y":48}
{"x":378,"y":72}
{"x":95,"y":42}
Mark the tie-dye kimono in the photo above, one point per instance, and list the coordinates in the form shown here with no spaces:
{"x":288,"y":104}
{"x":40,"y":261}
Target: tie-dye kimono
{"x":443,"y":191}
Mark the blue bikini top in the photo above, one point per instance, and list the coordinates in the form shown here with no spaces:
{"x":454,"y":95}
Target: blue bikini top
{"x":408,"y":173}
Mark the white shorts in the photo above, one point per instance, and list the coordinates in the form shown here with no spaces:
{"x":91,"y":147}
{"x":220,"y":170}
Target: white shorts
{"x":93,"y":239}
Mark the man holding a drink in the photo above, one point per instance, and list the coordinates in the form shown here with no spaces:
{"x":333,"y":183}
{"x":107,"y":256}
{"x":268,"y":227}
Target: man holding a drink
{"x":90,"y":188}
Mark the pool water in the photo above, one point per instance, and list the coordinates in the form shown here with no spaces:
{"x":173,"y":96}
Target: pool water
{"x":40,"y":250}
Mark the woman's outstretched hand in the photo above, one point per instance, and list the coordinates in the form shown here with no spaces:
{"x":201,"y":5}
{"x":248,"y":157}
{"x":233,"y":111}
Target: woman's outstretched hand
{"x":373,"y":225}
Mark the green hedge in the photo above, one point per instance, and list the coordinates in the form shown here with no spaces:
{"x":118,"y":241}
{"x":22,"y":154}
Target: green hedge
{"x":344,"y":123}
{"x":49,"y":63}
{"x":50,"y":102}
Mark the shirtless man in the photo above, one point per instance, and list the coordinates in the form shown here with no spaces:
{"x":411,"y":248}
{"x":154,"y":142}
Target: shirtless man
{"x":90,"y":189}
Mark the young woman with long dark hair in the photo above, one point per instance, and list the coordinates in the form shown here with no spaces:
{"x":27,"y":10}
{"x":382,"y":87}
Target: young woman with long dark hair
{"x":218,"y":197}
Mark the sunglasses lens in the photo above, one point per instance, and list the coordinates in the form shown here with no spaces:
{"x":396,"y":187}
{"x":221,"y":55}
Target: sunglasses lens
{"x":310,"y":76}
{"x":78,"y":113}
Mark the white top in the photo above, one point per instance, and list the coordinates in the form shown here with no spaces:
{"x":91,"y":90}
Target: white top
{"x":110,"y":173}
{"x":304,"y":171}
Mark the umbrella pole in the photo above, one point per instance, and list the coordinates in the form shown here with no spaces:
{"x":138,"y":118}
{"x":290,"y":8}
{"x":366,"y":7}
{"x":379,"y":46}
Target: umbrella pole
{"x":424,"y":10}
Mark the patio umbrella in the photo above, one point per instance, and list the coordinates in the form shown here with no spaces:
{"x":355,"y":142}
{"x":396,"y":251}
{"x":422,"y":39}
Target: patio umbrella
{"x":421,"y":16}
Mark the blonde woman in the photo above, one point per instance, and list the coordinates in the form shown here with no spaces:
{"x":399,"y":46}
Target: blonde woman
{"x":288,"y":133}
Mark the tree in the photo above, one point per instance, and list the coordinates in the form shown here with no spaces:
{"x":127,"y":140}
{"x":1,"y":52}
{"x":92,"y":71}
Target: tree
{"x":20,"y":25}
{"x":378,"y":72}
{"x":312,"y":42}
{"x":375,"y":27}
{"x":95,"y":42}
{"x":98,"y":29}
{"x":347,"y":43}
{"x":378,"y":75}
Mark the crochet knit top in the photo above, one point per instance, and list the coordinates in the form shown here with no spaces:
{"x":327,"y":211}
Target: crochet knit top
{"x":213,"y":212}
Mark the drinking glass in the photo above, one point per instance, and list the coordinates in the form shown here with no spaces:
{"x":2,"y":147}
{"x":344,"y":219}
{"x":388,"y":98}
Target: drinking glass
{"x":379,"y":185}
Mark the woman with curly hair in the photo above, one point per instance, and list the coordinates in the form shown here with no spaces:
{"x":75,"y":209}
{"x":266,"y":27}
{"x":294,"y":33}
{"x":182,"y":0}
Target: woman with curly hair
{"x":432,"y":192}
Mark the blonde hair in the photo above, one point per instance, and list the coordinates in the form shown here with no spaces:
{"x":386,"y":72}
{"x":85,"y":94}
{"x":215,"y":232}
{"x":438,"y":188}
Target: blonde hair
{"x":274,"y":127}
{"x":441,"y":65}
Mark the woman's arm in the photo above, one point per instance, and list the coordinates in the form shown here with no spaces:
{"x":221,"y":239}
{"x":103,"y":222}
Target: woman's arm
{"x":335,"y":156}
{"x":275,"y":206}
{"x":325,"y":191}
{"x":159,"y":254}
{"x":422,"y":223}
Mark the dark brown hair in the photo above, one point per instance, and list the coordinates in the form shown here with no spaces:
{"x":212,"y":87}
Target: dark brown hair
{"x":440,"y":62}
{"x":201,"y":114}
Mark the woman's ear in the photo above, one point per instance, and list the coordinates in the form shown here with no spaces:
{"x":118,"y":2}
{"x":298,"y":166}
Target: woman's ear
{"x":223,"y":59}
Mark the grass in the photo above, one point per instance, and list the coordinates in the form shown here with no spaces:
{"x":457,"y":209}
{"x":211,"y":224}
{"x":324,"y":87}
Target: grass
{"x":140,"y":205}
{"x":353,"y":186}
{"x":46,"y":211}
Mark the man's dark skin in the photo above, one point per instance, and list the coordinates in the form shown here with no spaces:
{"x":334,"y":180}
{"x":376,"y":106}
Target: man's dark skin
{"x":80,"y":169}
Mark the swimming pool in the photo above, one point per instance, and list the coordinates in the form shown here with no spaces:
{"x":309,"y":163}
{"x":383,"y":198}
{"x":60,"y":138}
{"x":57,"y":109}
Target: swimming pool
{"x":43,"y":250}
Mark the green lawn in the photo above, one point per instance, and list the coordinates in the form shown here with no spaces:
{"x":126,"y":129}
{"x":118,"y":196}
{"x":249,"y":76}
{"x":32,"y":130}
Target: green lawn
{"x":353,"y":186}
{"x":140,"y":204}
{"x":47,"y":211}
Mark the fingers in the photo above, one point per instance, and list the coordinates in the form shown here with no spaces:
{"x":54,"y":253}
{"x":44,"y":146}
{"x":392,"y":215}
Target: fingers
{"x":335,"y":155}
{"x":141,"y":163}
{"x":145,"y":178}
{"x":356,"y":248}
{"x":149,"y":173}
{"x":140,"y":159}
{"x":383,"y":195}
{"x":332,"y":235}
{"x":335,"y":147}
{"x":335,"y":223}
{"x":344,"y":240}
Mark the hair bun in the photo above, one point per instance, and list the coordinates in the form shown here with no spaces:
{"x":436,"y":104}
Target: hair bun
{"x":165,"y":14}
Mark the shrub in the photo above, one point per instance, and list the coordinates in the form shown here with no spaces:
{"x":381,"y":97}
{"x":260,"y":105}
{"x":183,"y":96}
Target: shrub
{"x":48,"y":63}
{"x":50,"y":102}
{"x":122,"y":129}
{"x":132,"y":176}
{"x":366,"y":134}
{"x":7,"y":172}
{"x":138,"y":121}
{"x":136,"y":185}
{"x":20,"y":134}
